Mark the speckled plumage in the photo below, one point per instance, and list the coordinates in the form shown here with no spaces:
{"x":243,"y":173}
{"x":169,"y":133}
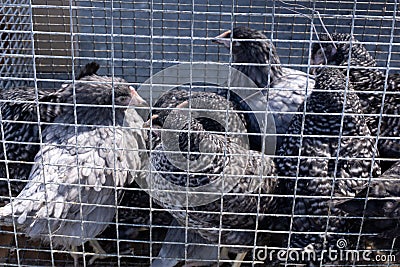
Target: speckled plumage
{"x":19,"y":111}
{"x":370,"y":84}
{"x":318,"y":170}
{"x":137,"y":210}
{"x":133,"y":196}
{"x":77,"y":160}
{"x":229,"y":158}
{"x":218,"y":106}
{"x":221,"y":116}
{"x":172,"y":98}
{"x":382,"y":211}
{"x":20,"y":125}
{"x":284,"y":88}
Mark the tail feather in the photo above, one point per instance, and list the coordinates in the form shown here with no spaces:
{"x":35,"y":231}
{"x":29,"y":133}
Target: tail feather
{"x":89,"y":69}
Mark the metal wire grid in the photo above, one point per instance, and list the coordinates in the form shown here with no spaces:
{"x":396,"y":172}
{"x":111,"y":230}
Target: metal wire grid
{"x":137,"y":39}
{"x":16,"y":47}
{"x":166,"y":26}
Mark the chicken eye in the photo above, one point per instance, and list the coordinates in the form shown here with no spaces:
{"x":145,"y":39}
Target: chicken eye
{"x":236,"y":43}
{"x":122,"y":100}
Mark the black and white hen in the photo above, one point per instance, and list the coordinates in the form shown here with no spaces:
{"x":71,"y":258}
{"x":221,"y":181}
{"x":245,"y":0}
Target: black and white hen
{"x":370,"y":84}
{"x":81,"y":164}
{"x":329,"y":153}
{"x":256,"y":57}
{"x":203,"y":159}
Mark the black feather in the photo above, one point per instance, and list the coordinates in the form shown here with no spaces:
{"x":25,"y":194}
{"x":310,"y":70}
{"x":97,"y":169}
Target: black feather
{"x":89,"y":70}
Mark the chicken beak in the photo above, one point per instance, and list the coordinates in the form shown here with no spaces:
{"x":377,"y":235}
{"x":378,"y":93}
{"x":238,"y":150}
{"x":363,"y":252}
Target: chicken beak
{"x":148,"y":122}
{"x":224,"y":39}
{"x":317,"y":64}
{"x":137,"y":100}
{"x":313,"y":70}
{"x":184,"y":104}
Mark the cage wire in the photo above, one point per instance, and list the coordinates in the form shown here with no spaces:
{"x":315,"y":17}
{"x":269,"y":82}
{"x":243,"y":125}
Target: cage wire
{"x":16,"y":47}
{"x":44,"y":44}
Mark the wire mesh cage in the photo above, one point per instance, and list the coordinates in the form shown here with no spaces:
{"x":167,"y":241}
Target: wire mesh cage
{"x":16,"y":47}
{"x":164,"y":133}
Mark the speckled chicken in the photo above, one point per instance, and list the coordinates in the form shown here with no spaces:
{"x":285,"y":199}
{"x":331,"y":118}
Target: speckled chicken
{"x":246,"y":174}
{"x":20,"y":122}
{"x":382,"y":209}
{"x":136,"y":210}
{"x":170,"y":253}
{"x":213,"y":111}
{"x":80,"y":164}
{"x":284,"y":88}
{"x":370,"y":83}
{"x":336,"y":157}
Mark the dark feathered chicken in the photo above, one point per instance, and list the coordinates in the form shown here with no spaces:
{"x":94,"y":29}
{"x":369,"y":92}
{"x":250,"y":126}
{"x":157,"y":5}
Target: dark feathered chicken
{"x":80,"y":163}
{"x":241,"y":169}
{"x":284,"y":88}
{"x":20,"y":122}
{"x":329,"y":155}
{"x":370,"y":83}
{"x":379,"y":203}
